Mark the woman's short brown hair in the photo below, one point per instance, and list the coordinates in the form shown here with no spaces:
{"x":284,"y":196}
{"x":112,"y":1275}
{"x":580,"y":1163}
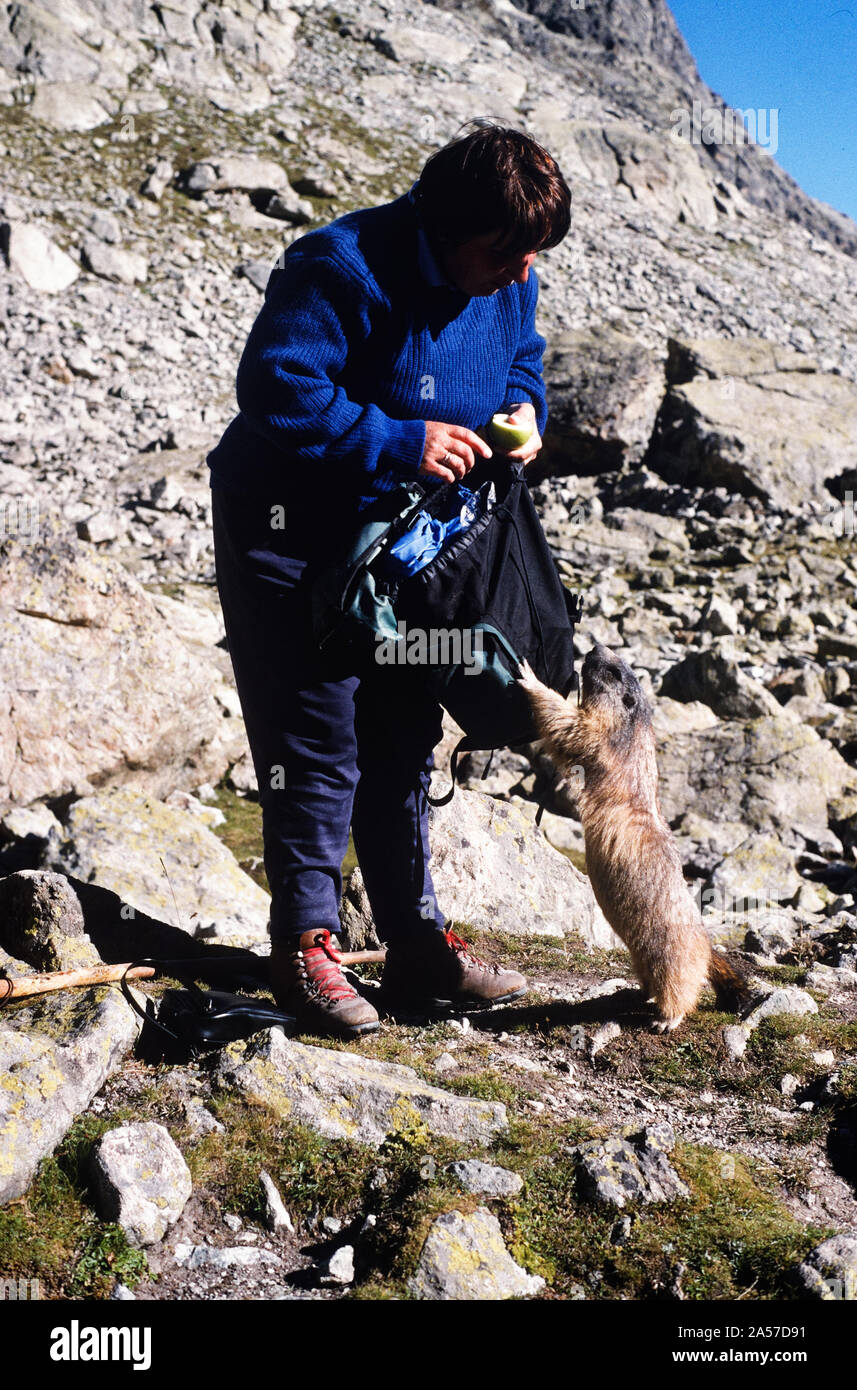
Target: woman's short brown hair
{"x":494,"y":179}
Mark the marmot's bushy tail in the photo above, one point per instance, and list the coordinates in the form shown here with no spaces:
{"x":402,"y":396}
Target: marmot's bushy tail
{"x":729,"y":983}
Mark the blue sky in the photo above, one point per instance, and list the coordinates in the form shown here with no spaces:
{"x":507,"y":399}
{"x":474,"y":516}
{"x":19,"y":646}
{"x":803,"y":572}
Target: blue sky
{"x":799,"y":56}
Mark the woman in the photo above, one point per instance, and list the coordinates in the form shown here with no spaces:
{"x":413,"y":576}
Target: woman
{"x":385,"y":341}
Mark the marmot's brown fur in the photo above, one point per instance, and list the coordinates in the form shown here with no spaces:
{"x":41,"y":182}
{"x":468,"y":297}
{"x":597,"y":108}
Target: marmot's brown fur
{"x":631,"y":856}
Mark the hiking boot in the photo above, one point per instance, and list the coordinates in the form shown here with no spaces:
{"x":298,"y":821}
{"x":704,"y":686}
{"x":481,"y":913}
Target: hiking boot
{"x":306,"y":980}
{"x":437,"y":970}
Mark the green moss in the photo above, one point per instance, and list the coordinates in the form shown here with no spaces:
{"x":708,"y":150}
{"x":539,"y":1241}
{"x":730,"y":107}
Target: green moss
{"x":52,"y":1234}
{"x":731,"y":1239}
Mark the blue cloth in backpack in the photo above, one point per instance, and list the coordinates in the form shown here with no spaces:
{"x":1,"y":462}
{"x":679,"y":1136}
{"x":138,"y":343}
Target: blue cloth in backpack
{"x":429,"y":534}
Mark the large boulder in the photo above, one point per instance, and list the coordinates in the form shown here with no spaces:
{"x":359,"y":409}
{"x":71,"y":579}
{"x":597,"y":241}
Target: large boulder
{"x":660,"y":175}
{"x":41,"y":920}
{"x":56,"y":1052}
{"x":32,"y":255}
{"x":95,"y":687}
{"x":346,"y":1096}
{"x":605,"y":390}
{"x":118,"y":840}
{"x":465,"y":1258}
{"x":494,"y":870}
{"x":754,"y":420}
{"x":140,"y":1180}
{"x":758,"y":774}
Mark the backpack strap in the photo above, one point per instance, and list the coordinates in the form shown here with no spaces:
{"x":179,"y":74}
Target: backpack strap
{"x":453,"y":770}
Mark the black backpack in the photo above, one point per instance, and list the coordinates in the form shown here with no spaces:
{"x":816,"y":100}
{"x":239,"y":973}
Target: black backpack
{"x":492,"y":592}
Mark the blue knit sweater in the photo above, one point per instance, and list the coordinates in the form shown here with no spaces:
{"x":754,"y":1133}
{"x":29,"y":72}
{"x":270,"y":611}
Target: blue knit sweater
{"x":352,"y":350}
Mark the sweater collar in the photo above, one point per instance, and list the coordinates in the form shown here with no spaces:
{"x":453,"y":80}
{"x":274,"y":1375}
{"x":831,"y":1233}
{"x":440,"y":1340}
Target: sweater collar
{"x":426,"y":259}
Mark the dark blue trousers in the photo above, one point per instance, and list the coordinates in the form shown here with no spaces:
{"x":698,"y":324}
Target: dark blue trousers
{"x":330,"y":750}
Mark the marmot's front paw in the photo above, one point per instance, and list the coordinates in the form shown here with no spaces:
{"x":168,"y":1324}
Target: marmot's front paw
{"x":666,"y":1025}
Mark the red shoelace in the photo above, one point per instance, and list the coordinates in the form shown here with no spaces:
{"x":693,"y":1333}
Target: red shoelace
{"x":323,"y":963}
{"x":462,"y":948}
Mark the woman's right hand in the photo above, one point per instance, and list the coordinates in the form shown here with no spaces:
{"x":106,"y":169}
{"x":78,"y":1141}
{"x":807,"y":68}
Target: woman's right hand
{"x":450,"y":451}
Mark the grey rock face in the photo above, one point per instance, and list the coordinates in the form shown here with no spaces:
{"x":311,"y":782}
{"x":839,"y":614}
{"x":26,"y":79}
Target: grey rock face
{"x":465,"y":1258}
{"x":343,"y":1095}
{"x":118,"y":838}
{"x":747,"y":773}
{"x":761,"y":870}
{"x":141,"y":1180}
{"x":38,"y":260}
{"x":56,"y":1052}
{"x":716,"y":680}
{"x":487,"y":1178}
{"x":605,"y":391}
{"x":74,"y":707}
{"x":617,"y":1171}
{"x":775,"y":434}
{"x":42,"y":922}
{"x":479,"y":841}
{"x":830,"y":1271}
{"x":111,"y":263}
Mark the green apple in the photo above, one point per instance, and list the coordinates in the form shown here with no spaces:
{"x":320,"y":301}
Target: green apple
{"x":503,"y":434}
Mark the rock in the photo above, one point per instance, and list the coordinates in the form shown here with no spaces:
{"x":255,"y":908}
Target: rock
{"x":70,"y":106}
{"x":158,"y":180}
{"x":128,"y":267}
{"x":120,"y":1293}
{"x":288,"y":207}
{"x":605,"y":390}
{"x":720,"y":617}
{"x":257,"y":272}
{"x":760,"y":872}
{"x":24,"y":834}
{"x":118,"y":838}
{"x":224,"y":1257}
{"x":830,"y":979}
{"x":56,"y":1052}
{"x":487,"y":1178}
{"x":617,"y":1171}
{"x":105,"y":227}
{"x":76,"y":631}
{"x":770,"y":937}
{"x":37,"y":259}
{"x":747,"y":772}
{"x":246,"y":173}
{"x":200,"y":1120}
{"x":344,"y":1095}
{"x":140,"y":1181}
{"x":275,"y":1217}
{"x":465,"y":1258}
{"x":603,"y":1036}
{"x":41,"y":921}
{"x":830,"y":1271}
{"x":786,"y":1000}
{"x":777,"y":434}
{"x":717,"y":680}
{"x":445,"y":1062}
{"x":736,"y":1037}
{"x":340,"y":1266}
{"x":479,"y":840}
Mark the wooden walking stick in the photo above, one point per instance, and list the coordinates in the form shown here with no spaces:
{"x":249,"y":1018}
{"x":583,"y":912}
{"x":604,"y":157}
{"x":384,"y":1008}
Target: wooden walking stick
{"x":27,"y":985}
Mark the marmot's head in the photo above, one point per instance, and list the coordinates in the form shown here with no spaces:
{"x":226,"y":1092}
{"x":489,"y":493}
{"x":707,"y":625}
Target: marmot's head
{"x":612,"y":696}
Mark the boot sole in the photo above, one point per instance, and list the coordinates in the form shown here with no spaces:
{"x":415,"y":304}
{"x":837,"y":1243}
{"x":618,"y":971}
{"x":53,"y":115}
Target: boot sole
{"x":432,"y":1004}
{"x":336,"y":1030}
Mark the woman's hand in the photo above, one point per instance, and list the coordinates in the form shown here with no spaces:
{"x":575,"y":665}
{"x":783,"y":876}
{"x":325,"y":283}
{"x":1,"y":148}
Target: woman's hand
{"x":451,"y":450}
{"x":518,"y":415}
